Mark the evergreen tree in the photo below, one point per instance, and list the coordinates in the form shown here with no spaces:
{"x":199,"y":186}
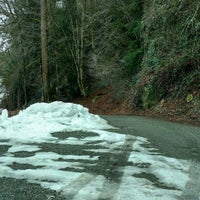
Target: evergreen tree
{"x":21,"y":62}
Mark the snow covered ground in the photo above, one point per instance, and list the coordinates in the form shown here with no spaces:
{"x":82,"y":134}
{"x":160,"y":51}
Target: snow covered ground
{"x":96,"y":163}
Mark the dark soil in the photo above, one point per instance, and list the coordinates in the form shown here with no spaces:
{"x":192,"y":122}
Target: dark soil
{"x":103,"y":102}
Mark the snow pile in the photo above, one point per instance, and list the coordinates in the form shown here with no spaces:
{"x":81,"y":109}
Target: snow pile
{"x":41,"y":119}
{"x":4,"y":114}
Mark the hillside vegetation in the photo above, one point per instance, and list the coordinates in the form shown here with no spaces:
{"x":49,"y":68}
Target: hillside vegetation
{"x":146,"y":52}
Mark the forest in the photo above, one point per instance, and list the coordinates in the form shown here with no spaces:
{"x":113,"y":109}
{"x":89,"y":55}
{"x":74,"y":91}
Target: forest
{"x":142,"y":50}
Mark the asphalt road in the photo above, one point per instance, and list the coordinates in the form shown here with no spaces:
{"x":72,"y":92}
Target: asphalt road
{"x":172,"y":139}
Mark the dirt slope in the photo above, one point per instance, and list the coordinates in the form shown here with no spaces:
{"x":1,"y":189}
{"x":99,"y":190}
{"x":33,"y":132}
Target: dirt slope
{"x":102,"y":102}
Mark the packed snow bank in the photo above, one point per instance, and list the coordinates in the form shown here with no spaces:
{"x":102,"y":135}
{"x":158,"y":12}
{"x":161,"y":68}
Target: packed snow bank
{"x":41,"y":119}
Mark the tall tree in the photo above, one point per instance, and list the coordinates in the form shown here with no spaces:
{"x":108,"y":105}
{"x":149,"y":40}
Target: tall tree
{"x":77,"y":16}
{"x":20,"y":29}
{"x":67,"y":41}
{"x":44,"y":50}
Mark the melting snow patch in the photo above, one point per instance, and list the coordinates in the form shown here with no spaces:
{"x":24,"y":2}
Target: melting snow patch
{"x":152,"y":176}
{"x":22,"y":147}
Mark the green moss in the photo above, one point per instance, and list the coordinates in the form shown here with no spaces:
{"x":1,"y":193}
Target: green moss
{"x":189,"y":98}
{"x":150,"y":97}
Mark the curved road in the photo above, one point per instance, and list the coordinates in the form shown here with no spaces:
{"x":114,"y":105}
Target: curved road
{"x":172,"y":139}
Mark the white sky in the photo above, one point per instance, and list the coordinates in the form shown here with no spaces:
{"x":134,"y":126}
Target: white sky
{"x":33,"y":126}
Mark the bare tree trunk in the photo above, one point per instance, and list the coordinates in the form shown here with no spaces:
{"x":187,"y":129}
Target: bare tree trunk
{"x":44,"y":54}
{"x":77,"y":47}
{"x":82,"y":48}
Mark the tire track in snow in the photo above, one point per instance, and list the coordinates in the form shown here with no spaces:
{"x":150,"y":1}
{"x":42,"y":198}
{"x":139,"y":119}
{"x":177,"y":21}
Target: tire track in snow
{"x":111,"y":187}
{"x":74,"y":187}
{"x":107,"y":187}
